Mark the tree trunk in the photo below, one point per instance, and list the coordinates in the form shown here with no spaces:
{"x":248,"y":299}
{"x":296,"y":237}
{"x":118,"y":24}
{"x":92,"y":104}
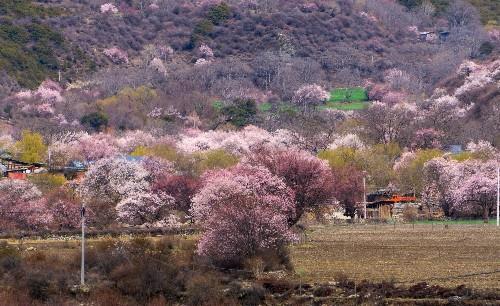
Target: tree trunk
{"x":486,"y":212}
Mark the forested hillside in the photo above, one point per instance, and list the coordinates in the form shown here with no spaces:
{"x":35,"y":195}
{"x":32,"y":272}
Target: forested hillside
{"x":185,"y":56}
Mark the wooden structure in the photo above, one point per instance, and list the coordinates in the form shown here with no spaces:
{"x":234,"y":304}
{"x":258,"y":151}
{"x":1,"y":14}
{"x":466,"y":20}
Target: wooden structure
{"x":384,"y":204}
{"x":17,"y":169}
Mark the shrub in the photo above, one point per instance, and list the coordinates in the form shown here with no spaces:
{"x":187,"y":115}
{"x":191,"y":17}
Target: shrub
{"x":219,"y":13}
{"x":47,"y":181}
{"x":241,"y":112}
{"x":95,"y":121}
{"x":38,"y":286}
{"x":9,"y":257}
{"x":215,"y":159}
{"x":203,"y":289}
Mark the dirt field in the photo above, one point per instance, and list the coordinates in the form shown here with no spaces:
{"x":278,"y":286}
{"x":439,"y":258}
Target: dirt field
{"x":403,"y":254}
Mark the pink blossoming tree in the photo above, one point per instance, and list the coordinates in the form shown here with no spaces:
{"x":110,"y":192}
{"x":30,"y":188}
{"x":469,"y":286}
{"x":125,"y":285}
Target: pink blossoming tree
{"x":308,"y":176}
{"x":243,"y":211}
{"x":309,"y":96}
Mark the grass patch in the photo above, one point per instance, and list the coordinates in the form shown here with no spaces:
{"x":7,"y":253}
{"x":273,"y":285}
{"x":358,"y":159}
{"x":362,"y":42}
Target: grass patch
{"x":353,"y":94}
{"x":346,"y":106}
{"x":218,"y":105}
{"x":264,"y":107}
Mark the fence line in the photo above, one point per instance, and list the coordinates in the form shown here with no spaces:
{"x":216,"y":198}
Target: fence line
{"x":449,"y":277}
{"x":93,"y":233}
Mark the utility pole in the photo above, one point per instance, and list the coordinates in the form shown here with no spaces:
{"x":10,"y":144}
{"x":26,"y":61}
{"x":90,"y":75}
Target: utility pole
{"x":364,"y":194}
{"x":82,"y":270}
{"x":498,"y":196}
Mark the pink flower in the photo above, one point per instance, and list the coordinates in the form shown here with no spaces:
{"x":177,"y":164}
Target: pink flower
{"x":242,"y":210}
{"x":108,"y":8}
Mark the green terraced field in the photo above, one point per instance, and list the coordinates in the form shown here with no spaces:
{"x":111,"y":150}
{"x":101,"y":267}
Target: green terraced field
{"x":348,"y":94}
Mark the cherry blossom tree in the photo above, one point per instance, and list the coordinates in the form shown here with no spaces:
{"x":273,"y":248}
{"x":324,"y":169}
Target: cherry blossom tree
{"x":236,"y":142}
{"x":308,"y":176}
{"x":64,"y":209}
{"x":243,"y":211}
{"x":478,"y":189}
{"x":440,"y":181}
{"x":139,"y":208}
{"x":349,"y":141}
{"x":388,"y":123}
{"x":116,"y":188}
{"x":109,"y":181}
{"x":482,"y":148}
{"x":477,"y":76}
{"x":427,"y":139}
{"x":181,"y":187}
{"x":442,"y":112}
{"x":461,"y":187}
{"x":309,"y":96}
{"x":19,"y":204}
{"x":130,"y":140}
{"x":347,"y":182}
{"x":206,"y":52}
{"x":97,"y":146}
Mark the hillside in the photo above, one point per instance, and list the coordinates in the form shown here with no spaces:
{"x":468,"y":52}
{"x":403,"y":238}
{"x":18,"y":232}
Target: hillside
{"x":70,"y":36}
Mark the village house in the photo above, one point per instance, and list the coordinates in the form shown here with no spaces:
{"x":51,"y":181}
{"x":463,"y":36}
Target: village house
{"x":16,"y":169}
{"x":387,"y":204}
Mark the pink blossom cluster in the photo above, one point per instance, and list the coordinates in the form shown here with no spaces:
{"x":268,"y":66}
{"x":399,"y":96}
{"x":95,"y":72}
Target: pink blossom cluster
{"x":143,"y":208}
{"x":390,"y":118}
{"x":125,"y":187}
{"x":481,"y":146}
{"x":116,"y":55}
{"x":206,"y":52}
{"x":130,"y":140}
{"x":235,"y":142}
{"x":478,"y":76}
{"x":97,"y":146}
{"x":404,"y":160}
{"x":464,"y":186}
{"x":48,"y":92}
{"x":202,"y":62}
{"x":20,"y":205}
{"x":109,"y":8}
{"x":427,"y":138}
{"x":310,"y":95}
{"x":442,"y":109}
{"x":243,"y":210}
{"x":45,"y":108}
{"x":494,"y":34}
{"x":308,"y":176}
{"x":349,"y":140}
